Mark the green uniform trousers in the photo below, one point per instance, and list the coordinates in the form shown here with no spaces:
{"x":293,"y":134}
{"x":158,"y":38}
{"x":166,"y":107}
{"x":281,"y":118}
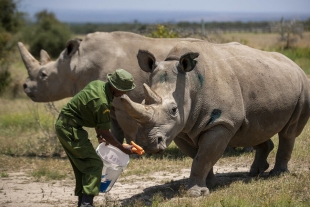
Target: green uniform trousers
{"x":86,"y":164}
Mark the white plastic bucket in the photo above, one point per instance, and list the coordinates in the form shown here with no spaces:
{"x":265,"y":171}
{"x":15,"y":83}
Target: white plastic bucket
{"x":114,"y":161}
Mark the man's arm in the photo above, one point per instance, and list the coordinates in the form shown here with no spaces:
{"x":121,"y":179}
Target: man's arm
{"x":108,"y":136}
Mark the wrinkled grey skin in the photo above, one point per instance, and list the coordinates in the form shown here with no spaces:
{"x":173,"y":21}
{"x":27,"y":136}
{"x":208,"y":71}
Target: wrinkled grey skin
{"x":206,"y":97}
{"x":93,"y":58}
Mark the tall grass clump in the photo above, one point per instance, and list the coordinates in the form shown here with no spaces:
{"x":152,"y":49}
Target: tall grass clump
{"x":28,"y":129}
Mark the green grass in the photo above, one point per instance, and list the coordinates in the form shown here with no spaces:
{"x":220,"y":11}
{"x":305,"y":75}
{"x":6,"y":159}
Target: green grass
{"x":4,"y":175}
{"x":48,"y":174}
{"x":20,"y":122}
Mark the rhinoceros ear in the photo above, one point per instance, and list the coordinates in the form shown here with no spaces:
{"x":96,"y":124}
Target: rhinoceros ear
{"x":71,"y":47}
{"x":146,"y":60}
{"x":187,"y":62}
{"x":44,"y":57}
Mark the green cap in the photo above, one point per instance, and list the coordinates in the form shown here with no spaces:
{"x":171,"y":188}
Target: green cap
{"x":121,"y":80}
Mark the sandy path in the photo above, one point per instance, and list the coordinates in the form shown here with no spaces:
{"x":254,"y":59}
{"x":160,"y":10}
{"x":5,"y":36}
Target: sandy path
{"x":20,"y":190}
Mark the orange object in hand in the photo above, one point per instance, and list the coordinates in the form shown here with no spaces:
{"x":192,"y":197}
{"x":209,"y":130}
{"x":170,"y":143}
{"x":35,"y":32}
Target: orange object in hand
{"x":136,"y":148}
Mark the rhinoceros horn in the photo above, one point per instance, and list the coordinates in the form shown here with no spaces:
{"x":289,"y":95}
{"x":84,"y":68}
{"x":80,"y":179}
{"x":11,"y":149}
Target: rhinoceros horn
{"x":150,"y":96}
{"x":139,"y":112}
{"x":29,"y":61}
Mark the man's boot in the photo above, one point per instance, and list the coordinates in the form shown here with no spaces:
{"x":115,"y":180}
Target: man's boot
{"x":87,"y":201}
{"x":80,"y":200}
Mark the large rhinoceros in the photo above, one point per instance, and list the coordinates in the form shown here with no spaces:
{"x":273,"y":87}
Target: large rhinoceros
{"x":206,"y":97}
{"x":93,"y":58}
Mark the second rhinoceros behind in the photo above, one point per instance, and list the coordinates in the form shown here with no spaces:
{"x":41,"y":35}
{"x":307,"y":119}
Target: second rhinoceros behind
{"x":206,"y":97}
{"x":93,"y":58}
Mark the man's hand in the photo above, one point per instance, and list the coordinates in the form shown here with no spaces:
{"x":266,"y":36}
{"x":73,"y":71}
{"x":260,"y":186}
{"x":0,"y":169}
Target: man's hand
{"x":101,"y":139}
{"x":107,"y":137}
{"x":127,"y":149}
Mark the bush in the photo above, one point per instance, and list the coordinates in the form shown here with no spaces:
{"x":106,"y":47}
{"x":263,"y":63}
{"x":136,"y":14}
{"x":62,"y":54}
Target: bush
{"x":5,"y":79}
{"x":5,"y":76}
{"x":163,"y":32}
{"x":50,"y":35}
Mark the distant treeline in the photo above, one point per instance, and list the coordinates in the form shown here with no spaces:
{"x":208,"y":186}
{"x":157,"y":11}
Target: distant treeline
{"x":182,"y":27}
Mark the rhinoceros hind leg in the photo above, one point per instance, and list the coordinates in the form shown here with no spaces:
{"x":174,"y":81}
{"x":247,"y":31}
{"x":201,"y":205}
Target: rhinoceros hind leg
{"x":283,"y":155}
{"x":260,"y":163}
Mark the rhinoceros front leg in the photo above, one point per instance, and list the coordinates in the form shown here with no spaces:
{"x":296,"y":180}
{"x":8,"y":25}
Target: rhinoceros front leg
{"x":283,"y":156}
{"x":186,"y":146}
{"x":211,"y":146}
{"x":260,"y":163}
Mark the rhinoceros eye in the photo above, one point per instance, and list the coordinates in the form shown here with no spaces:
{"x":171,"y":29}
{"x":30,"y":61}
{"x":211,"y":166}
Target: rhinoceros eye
{"x":174,"y":111}
{"x":43,"y":74}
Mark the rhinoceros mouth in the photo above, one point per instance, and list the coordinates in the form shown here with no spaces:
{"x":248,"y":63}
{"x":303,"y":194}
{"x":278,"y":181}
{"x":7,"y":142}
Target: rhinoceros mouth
{"x":158,"y":150}
{"x":154,"y":149}
{"x":32,"y":96}
{"x":29,"y":93}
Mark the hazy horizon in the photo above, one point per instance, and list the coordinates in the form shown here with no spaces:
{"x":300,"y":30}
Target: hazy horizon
{"x":117,"y":11}
{"x":170,"y":16}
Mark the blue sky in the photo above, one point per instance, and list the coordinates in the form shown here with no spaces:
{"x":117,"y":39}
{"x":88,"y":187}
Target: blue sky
{"x":78,"y":8}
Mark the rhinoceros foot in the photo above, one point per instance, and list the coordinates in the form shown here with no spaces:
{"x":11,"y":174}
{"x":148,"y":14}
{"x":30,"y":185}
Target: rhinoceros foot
{"x":257,"y":170}
{"x":197,"y":191}
{"x":277,"y":172}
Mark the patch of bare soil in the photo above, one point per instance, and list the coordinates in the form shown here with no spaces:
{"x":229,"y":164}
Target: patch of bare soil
{"x":20,"y":190}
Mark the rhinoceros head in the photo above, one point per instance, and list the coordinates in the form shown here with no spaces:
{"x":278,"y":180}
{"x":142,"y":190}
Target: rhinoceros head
{"x":165,"y":109}
{"x":47,"y":78}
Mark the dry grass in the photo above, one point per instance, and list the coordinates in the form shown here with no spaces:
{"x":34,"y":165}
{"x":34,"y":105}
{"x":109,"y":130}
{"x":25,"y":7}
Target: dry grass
{"x":264,"y":41}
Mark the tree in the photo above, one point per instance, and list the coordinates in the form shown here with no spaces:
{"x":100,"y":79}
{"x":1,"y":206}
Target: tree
{"x":289,"y":31}
{"x":10,"y":21}
{"x":49,"y":34}
{"x":10,"y":18}
{"x":307,"y":25}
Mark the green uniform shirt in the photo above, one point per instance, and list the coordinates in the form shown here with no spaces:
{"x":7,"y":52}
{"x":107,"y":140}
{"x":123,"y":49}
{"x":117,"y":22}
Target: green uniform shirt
{"x":91,"y":106}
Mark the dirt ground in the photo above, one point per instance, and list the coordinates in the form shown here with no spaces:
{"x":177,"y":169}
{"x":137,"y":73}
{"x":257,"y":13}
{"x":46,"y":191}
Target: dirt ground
{"x":20,"y":190}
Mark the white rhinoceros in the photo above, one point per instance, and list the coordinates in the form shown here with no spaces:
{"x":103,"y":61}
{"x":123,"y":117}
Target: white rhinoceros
{"x":93,"y":58}
{"x":206,"y":97}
